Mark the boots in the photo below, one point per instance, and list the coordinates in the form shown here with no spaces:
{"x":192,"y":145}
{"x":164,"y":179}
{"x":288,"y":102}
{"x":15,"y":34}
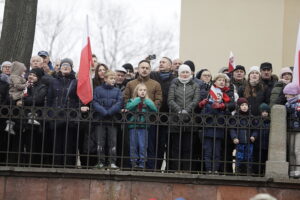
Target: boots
{"x":32,"y":118}
{"x":10,"y":127}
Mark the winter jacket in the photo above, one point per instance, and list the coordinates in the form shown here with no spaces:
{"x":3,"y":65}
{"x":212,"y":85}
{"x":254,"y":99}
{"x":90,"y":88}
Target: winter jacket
{"x":277,"y":96}
{"x":62,"y":91}
{"x":183,"y":96}
{"x":36,"y":95}
{"x":255,"y":101}
{"x":153,"y":90}
{"x":4,"y":87}
{"x":293,"y":115}
{"x":107,"y":101}
{"x":262,"y":140}
{"x":17,"y":81}
{"x":138,"y":106}
{"x":242,"y":131}
{"x":165,"y":85}
{"x":238,"y":84}
{"x":268,"y":87}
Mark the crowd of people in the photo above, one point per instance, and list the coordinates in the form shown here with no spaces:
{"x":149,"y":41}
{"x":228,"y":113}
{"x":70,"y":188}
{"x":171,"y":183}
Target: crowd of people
{"x":175,"y":88}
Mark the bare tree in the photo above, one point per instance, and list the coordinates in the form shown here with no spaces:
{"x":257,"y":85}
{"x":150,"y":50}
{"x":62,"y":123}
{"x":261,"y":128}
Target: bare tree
{"x":18,"y":30}
{"x":120,"y":41}
{"x":53,"y":32}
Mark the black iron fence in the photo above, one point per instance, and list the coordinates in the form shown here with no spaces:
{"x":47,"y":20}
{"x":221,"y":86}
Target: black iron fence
{"x":293,"y":145}
{"x":164,"y":142}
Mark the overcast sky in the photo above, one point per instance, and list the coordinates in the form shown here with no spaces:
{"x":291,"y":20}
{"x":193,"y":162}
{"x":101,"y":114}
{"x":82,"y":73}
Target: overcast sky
{"x":164,"y":13}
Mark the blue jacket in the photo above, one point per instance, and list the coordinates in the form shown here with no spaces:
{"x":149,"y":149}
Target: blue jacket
{"x":107,"y":101}
{"x":243,"y":132}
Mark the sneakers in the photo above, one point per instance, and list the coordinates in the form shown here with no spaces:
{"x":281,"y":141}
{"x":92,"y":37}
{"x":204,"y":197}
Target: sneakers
{"x":99,"y":166}
{"x":32,"y":120}
{"x":113,"y":166}
{"x":10,"y":127}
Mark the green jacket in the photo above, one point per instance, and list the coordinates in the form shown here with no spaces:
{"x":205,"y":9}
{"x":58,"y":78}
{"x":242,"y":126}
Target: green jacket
{"x":139,"y":106}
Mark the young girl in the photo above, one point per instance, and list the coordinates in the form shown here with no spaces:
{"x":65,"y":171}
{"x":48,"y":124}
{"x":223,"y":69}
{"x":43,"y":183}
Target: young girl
{"x":138,"y":132}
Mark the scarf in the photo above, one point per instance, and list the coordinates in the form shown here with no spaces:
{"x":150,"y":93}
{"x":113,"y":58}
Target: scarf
{"x":253,"y":83}
{"x":165,"y":75}
{"x":185,"y":80}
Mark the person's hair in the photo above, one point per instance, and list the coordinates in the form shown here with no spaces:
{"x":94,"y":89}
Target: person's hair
{"x":97,"y":80}
{"x":146,"y":61}
{"x":252,"y":90}
{"x":135,"y":92}
{"x":170,"y":61}
{"x":109,"y":73}
{"x":36,"y":57}
{"x":94,"y":56}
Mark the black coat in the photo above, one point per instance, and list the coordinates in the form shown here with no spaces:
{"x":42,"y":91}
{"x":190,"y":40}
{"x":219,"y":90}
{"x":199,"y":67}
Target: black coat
{"x":62,"y":91}
{"x":255,"y":101}
{"x":165,"y":85}
{"x":36,"y":95}
{"x":4,"y":87}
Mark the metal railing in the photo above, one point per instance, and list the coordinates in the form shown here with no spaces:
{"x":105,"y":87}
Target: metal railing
{"x":68,"y":138}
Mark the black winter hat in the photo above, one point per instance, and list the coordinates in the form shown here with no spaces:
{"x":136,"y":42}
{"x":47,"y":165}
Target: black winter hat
{"x":190,"y":64}
{"x":67,"y":60}
{"x":38,"y":72}
{"x":241,"y":67}
{"x":198,"y":75}
{"x":265,"y":65}
{"x":128,"y":67}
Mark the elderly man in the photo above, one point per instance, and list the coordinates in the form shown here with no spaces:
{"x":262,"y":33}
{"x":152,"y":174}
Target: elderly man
{"x":120,"y":78}
{"x":175,"y":65}
{"x":238,"y":78}
{"x":5,"y":67}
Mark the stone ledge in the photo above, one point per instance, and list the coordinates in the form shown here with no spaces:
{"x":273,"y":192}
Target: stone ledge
{"x":185,"y":178}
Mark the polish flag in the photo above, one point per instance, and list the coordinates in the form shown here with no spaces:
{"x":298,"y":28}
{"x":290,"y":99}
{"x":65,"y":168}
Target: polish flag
{"x":296,"y":71}
{"x":84,"y":86}
{"x":231,"y":64}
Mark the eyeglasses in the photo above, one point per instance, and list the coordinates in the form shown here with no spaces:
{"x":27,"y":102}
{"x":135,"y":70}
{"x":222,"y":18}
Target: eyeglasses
{"x":66,"y":65}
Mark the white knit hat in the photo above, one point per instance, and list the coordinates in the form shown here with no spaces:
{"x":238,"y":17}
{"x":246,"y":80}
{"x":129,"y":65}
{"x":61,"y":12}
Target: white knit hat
{"x":254,"y":68}
{"x":184,"y":67}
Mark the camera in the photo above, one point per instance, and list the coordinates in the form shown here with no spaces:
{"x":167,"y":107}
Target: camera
{"x":151,"y":57}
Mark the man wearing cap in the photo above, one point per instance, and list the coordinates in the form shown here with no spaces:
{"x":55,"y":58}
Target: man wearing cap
{"x":268,"y":78}
{"x":120,"y":78}
{"x":46,"y":59}
{"x":164,"y":77}
{"x":130,"y":72}
{"x":238,"y":78}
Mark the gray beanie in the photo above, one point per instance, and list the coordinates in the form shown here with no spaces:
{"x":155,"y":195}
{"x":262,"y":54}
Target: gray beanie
{"x":67,"y":60}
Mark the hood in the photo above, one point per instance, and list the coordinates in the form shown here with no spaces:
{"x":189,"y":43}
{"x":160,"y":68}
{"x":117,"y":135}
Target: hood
{"x":17,"y":68}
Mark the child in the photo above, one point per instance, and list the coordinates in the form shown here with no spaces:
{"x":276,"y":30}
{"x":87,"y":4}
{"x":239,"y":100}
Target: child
{"x":107,"y":102}
{"x":214,"y":104}
{"x":17,"y":86}
{"x":243,"y":138}
{"x":138,"y":132}
{"x":262,"y":144}
{"x":292,"y":94}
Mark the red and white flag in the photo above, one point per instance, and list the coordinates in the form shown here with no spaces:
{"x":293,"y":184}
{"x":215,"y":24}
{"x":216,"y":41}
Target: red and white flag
{"x":84,"y":86}
{"x":231,"y":64}
{"x":296,"y":71}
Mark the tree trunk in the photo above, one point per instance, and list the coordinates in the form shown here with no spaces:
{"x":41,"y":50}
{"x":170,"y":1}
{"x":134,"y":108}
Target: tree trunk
{"x":18,"y":30}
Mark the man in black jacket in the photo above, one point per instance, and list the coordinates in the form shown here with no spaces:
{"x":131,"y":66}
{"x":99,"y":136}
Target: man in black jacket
{"x":268,"y":79}
{"x":164,"y":76}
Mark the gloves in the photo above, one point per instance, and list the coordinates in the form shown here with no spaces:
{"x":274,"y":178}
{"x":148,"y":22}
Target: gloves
{"x":203,"y":103}
{"x":220,"y":106}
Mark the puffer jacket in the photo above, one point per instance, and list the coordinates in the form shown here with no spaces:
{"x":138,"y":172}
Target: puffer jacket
{"x":183,"y":96}
{"x":107,"y":101}
{"x":137,"y":105}
{"x":17,"y":81}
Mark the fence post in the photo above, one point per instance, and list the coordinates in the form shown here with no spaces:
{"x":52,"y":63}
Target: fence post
{"x":277,"y":165}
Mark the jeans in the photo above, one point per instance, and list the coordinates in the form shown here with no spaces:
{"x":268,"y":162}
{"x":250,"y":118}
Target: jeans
{"x":244,"y":157}
{"x":212,"y":153}
{"x":138,"y":146}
